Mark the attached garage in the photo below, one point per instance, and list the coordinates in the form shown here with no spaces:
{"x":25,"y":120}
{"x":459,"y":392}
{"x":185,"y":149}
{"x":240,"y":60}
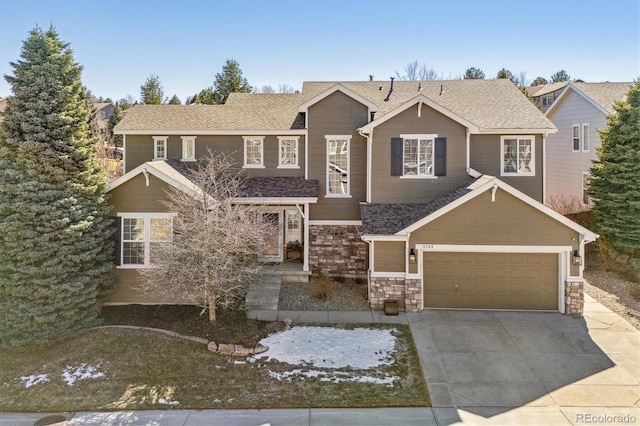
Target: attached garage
{"x":491,"y":280}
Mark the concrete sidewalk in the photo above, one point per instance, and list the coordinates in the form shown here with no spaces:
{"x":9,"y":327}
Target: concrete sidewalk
{"x":336,"y":417}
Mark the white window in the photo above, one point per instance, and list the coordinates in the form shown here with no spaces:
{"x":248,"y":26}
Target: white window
{"x":517,"y":155}
{"x":417,"y":155}
{"x":585,"y":186}
{"x":254,"y":151}
{"x":575,"y":137}
{"x":288,"y":152}
{"x":141,"y":235}
{"x":580,"y":137}
{"x":547,"y":101}
{"x":338,"y":166}
{"x":160,"y":147}
{"x":585,"y":137}
{"x":188,"y":148}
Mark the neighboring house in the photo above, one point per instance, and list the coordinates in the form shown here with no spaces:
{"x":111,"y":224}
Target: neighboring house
{"x":546,"y":94}
{"x":425,"y":188}
{"x":578,"y":113}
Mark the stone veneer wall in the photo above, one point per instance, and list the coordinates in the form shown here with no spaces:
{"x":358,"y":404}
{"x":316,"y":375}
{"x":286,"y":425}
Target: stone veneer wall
{"x":574,"y":297}
{"x":337,"y":250}
{"x":405,"y":291}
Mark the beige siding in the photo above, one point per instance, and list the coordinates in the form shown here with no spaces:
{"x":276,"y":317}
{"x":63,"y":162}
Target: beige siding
{"x":565,"y":167}
{"x":388,"y":256}
{"x":485,"y":158}
{"x":337,"y":114}
{"x":393,"y":189}
{"x":128,"y":291}
{"x":140,"y":150}
{"x":135,"y":196}
{"x":507,"y":221}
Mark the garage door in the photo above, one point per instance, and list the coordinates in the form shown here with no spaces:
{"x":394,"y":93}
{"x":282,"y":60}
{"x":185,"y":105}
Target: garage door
{"x":491,"y":280}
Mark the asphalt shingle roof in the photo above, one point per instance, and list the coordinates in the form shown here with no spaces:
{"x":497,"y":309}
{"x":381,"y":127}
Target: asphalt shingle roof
{"x":489,"y":104}
{"x":604,"y":94}
{"x":388,"y":219}
{"x":264,"y":187}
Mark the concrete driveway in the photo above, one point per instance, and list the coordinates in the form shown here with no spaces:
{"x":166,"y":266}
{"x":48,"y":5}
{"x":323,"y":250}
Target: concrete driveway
{"x":485,"y":363}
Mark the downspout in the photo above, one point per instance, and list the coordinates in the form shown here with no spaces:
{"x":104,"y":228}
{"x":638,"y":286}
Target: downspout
{"x":124,"y":154}
{"x":544,"y":168}
{"x":468,"y":150}
{"x":369,"y":159}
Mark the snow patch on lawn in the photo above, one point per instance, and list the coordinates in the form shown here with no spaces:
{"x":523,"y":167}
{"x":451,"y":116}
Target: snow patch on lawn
{"x":81,"y":371}
{"x":360,"y":348}
{"x":332,"y":349}
{"x":34,"y":379}
{"x":165,"y":402}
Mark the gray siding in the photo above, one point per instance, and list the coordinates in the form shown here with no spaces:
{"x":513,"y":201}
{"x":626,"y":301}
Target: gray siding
{"x":565,"y":167}
{"x":139,"y":150}
{"x":393,"y":189}
{"x":337,"y":114}
{"x":485,"y":158}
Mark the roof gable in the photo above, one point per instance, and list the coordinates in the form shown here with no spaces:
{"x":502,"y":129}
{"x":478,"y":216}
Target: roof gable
{"x":335,"y":88}
{"x":426,"y":213}
{"x":601,"y":95}
{"x":419,"y":99}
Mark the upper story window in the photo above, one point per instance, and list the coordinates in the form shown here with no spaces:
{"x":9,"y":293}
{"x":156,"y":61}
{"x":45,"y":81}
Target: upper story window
{"x":141,"y":235}
{"x":338,"y":165}
{"x":254,"y":151}
{"x":580,"y":138}
{"x":585,"y":137}
{"x":418,"y":155}
{"x":517,"y":155}
{"x":160,"y":147}
{"x":547,"y":101}
{"x":288,"y":152}
{"x":188,"y":148}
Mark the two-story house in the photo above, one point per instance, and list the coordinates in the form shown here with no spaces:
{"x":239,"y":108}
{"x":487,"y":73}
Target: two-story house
{"x":578,"y":113}
{"x":428,"y":190}
{"x":545,"y":95}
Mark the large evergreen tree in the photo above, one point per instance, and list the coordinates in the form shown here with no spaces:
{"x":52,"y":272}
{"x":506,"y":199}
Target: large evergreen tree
{"x":615,"y":178}
{"x":229,"y":81}
{"x":55,"y":258}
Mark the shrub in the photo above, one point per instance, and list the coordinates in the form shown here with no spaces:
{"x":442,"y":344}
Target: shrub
{"x":321,"y":287}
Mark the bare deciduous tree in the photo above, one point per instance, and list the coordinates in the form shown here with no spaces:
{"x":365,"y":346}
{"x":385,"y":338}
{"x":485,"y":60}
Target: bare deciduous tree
{"x":416,"y":71}
{"x":213,"y":252}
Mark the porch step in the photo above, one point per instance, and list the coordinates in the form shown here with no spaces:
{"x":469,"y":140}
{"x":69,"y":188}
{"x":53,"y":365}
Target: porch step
{"x":264,"y":293}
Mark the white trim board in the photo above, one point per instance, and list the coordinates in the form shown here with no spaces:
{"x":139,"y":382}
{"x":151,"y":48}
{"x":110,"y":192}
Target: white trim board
{"x":462,"y":248}
{"x":336,"y":222}
{"x":338,"y":87}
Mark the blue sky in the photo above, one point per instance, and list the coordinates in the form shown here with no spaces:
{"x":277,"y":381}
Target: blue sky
{"x":120,"y":43}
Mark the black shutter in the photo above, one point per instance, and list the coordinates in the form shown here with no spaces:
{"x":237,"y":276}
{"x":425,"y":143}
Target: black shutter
{"x":396,"y":156}
{"x":441,"y":157}
{"x":117,"y":234}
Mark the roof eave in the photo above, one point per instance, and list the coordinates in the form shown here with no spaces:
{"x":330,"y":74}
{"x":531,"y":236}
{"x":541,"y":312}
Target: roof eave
{"x":173,"y":132}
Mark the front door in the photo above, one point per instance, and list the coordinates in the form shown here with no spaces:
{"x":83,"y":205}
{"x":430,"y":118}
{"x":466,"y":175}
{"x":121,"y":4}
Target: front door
{"x":273,"y":239}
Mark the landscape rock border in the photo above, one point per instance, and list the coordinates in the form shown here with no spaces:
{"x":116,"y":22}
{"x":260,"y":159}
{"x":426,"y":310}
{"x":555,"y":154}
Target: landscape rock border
{"x":222,"y":348}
